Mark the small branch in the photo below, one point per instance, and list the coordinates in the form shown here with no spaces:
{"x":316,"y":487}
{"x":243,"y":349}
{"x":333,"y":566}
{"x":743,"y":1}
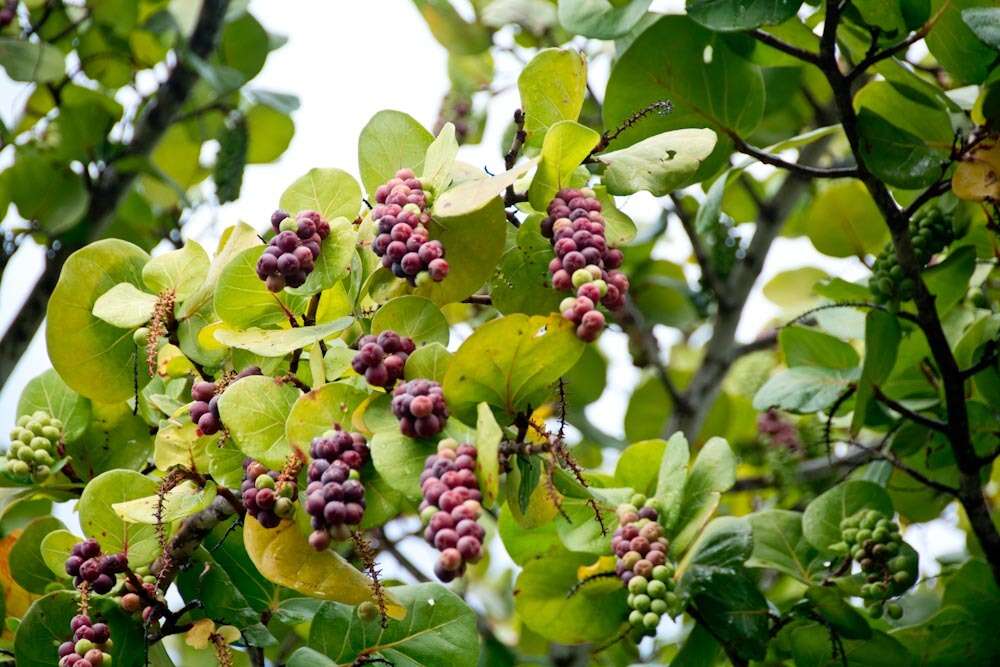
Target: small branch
{"x":633,"y":321}
{"x":877,"y":56}
{"x":510,"y":159}
{"x":784,"y":47}
{"x":662,"y":107}
{"x":915,"y":417}
{"x":708,"y":274}
{"x":930,"y":193}
{"x":898,"y":464}
{"x":392,"y":549}
{"x":988,"y":360}
{"x":764,"y":342}
{"x":797,"y":168}
{"x":479,"y":299}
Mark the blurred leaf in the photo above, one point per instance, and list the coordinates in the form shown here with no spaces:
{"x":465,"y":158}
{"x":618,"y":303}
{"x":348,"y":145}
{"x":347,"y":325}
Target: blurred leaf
{"x":807,"y":347}
{"x":333,"y":193}
{"x":955,"y":46}
{"x":601,"y":19}
{"x":843,"y":221}
{"x":31,"y":61}
{"x":731,"y":15}
{"x":48,"y":392}
{"x":451,"y":30}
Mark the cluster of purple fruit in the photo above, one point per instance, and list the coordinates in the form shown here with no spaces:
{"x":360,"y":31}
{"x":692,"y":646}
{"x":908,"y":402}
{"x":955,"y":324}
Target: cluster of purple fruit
{"x":8,"y":13}
{"x":87,"y":564}
{"x":420,"y":408}
{"x":403,"y":242}
{"x":335,"y":496}
{"x":642,"y":565}
{"x":583,"y":261}
{"x":267,"y":495}
{"x":451,"y":506}
{"x":292,"y":253}
{"x":89,"y":646}
{"x":778,"y":430}
{"x":204,"y":410}
{"x":381,"y":358}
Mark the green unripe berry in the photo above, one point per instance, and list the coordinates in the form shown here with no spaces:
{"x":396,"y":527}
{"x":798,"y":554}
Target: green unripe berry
{"x":26,"y":436}
{"x":637,"y":585}
{"x":427,"y":513}
{"x":850,"y":535}
{"x":567,"y":304}
{"x":26,"y":454}
{"x":42,"y":473}
{"x":875,"y":611}
{"x":39,"y":442}
{"x":630,"y":559}
{"x":51,"y":432}
{"x":635,"y":618}
{"x":662,"y":573}
{"x":638,"y":500}
{"x":630,"y":600}
{"x":83,"y":646}
{"x":658,"y":606}
{"x":602,"y":287}
{"x":581,"y":277}
{"x":140,"y":337}
{"x":354,"y":474}
{"x":891,"y":548}
{"x":106,"y":657}
{"x":595,"y":271}
{"x":264,"y":482}
{"x":898,"y":563}
{"x":19,"y":468}
{"x":864,"y":534}
{"x":651,"y":620}
{"x":656,"y":589}
{"x":894,"y":611}
{"x":423,"y":278}
{"x":284,"y":507}
{"x":367,"y":611}
{"x":880,"y":534}
{"x":43,"y":458}
{"x":289,"y":224}
{"x":903,"y":577}
{"x":35,"y":426}
{"x":23,"y":420}
{"x":641,"y":602}
{"x":284,"y":490}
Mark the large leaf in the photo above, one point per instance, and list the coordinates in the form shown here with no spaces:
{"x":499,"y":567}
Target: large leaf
{"x":712,"y":473}
{"x":721,"y":549}
{"x":99,"y":520}
{"x":553,"y":86}
{"x":183,"y":271}
{"x":254,"y":410}
{"x":804,"y":389}
{"x":31,"y":61}
{"x":725,"y":15}
{"x":522,"y":282}
{"x":778,"y":543}
{"x":178,"y":503}
{"x":440,"y":159}
{"x":279,"y":342}
{"x":803,"y":346}
{"x":48,"y":392}
{"x":27,"y":564}
{"x":660,"y":164}
{"x":954,"y":44}
{"x":96,"y":359}
{"x":439,"y":628}
{"x":882,"y":338}
{"x":46,"y":191}
{"x":400,"y":460}
{"x":639,"y":464}
{"x":488,"y":437}
{"x":334,"y":259}
{"x":601,"y":19}
{"x":284,"y":556}
{"x":671,"y":477}
{"x":242,"y":300}
{"x":234,"y":241}
{"x":429,"y":362}
{"x":843,"y":221}
{"x":333,"y":193}
{"x":115,"y":438}
{"x":412,"y":316}
{"x":389,"y":142}
{"x":510,"y":363}
{"x":125,"y":306}
{"x":43,"y":628}
{"x":821,"y":520}
{"x":951,"y":636}
{"x":318,"y":411}
{"x":566,"y":144}
{"x":474,"y":194}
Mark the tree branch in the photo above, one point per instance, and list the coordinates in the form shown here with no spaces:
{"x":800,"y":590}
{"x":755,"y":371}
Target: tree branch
{"x":797,"y":168}
{"x":784,"y":47}
{"x":903,"y":45}
{"x":632,"y":321}
{"x":915,"y":417}
{"x":708,"y":274}
{"x":189,"y":537}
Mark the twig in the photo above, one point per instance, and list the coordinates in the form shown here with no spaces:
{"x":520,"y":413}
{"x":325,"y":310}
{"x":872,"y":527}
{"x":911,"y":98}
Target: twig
{"x":660,"y":106}
{"x":784,"y":47}
{"x":989,"y":359}
{"x":708,"y":274}
{"x":510,"y":158}
{"x":794,"y":167}
{"x":876,"y":56}
{"x":915,"y":474}
{"x":915,"y":417}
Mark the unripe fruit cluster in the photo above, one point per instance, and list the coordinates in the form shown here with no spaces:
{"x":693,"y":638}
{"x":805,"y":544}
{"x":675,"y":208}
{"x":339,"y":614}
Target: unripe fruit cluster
{"x":335,"y":496}
{"x":930,"y":232}
{"x":381,"y":359}
{"x":642,"y":565}
{"x":291,"y":255}
{"x":33,"y":445}
{"x":131,"y":602}
{"x":89,"y":646}
{"x":583,"y":260}
{"x":873,"y":540}
{"x":204,"y":410}
{"x":420,"y":408}
{"x":87,"y":564}
{"x":778,"y":430}
{"x":451,"y":506}
{"x":266,"y":495}
{"x":403,"y":243}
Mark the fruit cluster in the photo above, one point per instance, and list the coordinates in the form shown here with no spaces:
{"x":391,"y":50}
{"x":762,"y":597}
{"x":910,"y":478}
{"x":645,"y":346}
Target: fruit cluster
{"x":420,"y":408}
{"x":583,"y":261}
{"x":87,"y":564}
{"x":931,"y":232}
{"x":403,"y":243}
{"x":291,"y":255}
{"x":777,"y":430}
{"x":89,"y":646}
{"x":873,"y":540}
{"x":204,"y":410}
{"x":451,"y":506}
{"x":456,"y":108}
{"x":335,"y":496}
{"x":642,"y":564}
{"x":267,"y":495}
{"x":8,"y":13}
{"x":131,"y":602}
{"x":32,"y":445}
{"x":381,"y":359}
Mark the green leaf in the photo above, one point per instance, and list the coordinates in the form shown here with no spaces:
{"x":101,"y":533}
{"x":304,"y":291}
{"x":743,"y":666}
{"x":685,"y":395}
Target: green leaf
{"x":222,"y":600}
{"x":242,"y":300}
{"x":841,"y":616}
{"x":451,"y":30}
{"x":332,"y":192}
{"x":582,"y":533}
{"x":488,"y":437}
{"x":525,"y":544}
{"x":317,"y":411}
{"x":98,"y":519}
{"x":27,"y":565}
{"x":334,"y":262}
{"x":721,"y":549}
{"x":400,"y":460}
{"x":778,"y":544}
{"x":412,"y":316}
{"x":125,"y":306}
{"x":985,"y":23}
{"x":439,"y":628}
{"x":511,"y":364}
{"x":46,"y":191}
{"x":389,"y":142}
{"x":182,"y":271}
{"x":821,"y":520}
{"x":843,"y":221}
{"x":601,"y":19}
{"x":949,"y":637}
{"x":638,"y":465}
{"x":474,"y":194}
{"x":440,"y":159}
{"x":178,"y":503}
{"x":522,"y":282}
{"x":553,"y":86}
{"x":43,"y":628}
{"x":48,"y":392}
{"x":619,"y":229}
{"x":270,"y":131}
{"x":954,"y":44}
{"x":671,"y":476}
{"x":712,"y":473}
{"x":882,"y":338}
{"x":736,"y":611}
{"x":115,"y":438}
{"x":279,"y":342}
{"x":660,"y":164}
{"x":811,"y":647}
{"x":793,"y":288}
{"x":948,"y":280}
{"x":179,"y":444}
{"x":234,"y":240}
{"x":254,"y":410}
{"x":732,"y":15}
{"x":31,"y":61}
{"x":803,"y":346}
{"x":96,"y":359}
{"x":566,"y":145}
{"x":804,"y":389}
{"x":55,"y":548}
{"x":429,"y":362}
{"x":595,"y":613}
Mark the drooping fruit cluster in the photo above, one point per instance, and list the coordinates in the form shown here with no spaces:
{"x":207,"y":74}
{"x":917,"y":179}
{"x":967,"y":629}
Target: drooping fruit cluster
{"x":87,"y":564}
{"x":456,"y":108}
{"x":8,"y":13}
{"x":32,"y":445}
{"x":131,"y":602}
{"x":403,"y":243}
{"x":777,"y":430}
{"x":381,"y":359}
{"x":204,"y":410}
{"x":90,"y":645}
{"x":335,"y":496}
{"x":873,"y":540}
{"x":267,"y":496}
{"x":642,"y":565}
{"x":931,"y":232}
{"x":451,"y":506}
{"x":420,"y":408}
{"x":291,"y":255}
{"x":583,"y":261}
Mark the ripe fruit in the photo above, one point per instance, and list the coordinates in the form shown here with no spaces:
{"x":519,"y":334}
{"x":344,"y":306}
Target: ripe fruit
{"x":267,"y":495}
{"x":89,"y":645}
{"x":403,"y":243}
{"x":33,"y":442}
{"x":420,"y":407}
{"x":87,"y":564}
{"x":451,"y":506}
{"x":292,"y":254}
{"x":583,"y":260}
{"x":204,"y":409}
{"x":335,"y":497}
{"x":381,"y":359}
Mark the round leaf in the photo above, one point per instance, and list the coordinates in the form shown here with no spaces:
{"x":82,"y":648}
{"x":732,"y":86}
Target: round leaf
{"x":332,"y":192}
{"x":99,"y":520}
{"x":319,"y":410}
{"x":821,"y":520}
{"x":389,"y":142}
{"x":254,"y":411}
{"x":412,"y":316}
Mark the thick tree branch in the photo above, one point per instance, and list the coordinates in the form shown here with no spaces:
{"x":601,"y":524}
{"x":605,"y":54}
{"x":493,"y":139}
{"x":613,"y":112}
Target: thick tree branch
{"x":188,"y":538}
{"x":633,"y":323}
{"x":113,"y":183}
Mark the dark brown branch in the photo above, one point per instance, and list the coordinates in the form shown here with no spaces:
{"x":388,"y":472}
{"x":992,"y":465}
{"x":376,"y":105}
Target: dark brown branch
{"x":479,"y":299}
{"x":876,"y":56}
{"x":708,"y":274}
{"x":510,"y":159}
{"x":660,"y":106}
{"x":930,"y":193}
{"x":784,"y":47}
{"x":795,"y":167}
{"x":915,"y":417}
{"x":988,"y":360}
{"x":892,"y":459}
{"x":632,"y":320}
{"x":188,"y":538}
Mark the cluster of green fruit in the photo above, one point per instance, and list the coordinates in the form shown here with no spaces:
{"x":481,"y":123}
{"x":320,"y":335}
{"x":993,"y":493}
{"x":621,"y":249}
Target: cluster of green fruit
{"x":33,"y":446}
{"x":873,"y":540}
{"x":931,"y":232}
